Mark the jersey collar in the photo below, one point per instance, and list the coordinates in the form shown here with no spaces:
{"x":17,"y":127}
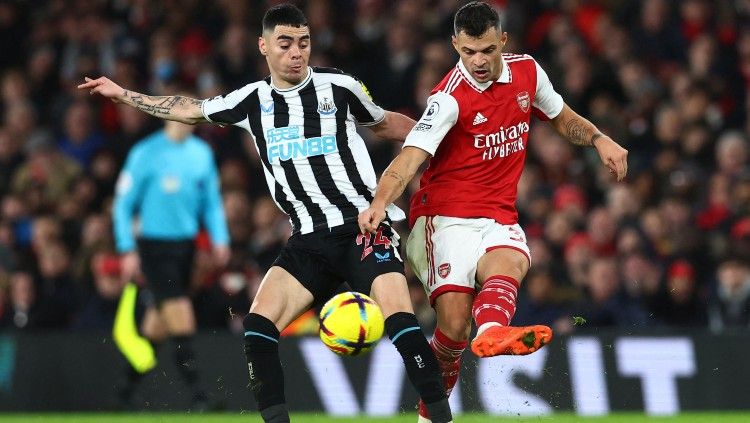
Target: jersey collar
{"x":296,"y":87}
{"x":504,"y":78}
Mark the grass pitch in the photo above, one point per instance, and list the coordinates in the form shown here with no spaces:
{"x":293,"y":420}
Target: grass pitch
{"x":719,"y":417}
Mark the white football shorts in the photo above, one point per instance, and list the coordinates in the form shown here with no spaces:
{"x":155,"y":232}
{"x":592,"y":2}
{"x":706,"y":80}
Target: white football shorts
{"x":444,"y":251}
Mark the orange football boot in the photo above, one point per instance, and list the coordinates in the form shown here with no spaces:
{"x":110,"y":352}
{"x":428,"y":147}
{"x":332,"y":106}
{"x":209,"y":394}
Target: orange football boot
{"x":510,"y":340}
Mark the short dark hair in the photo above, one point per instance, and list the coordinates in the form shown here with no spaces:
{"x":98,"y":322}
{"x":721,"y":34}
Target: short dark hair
{"x":475,"y":18}
{"x":284,"y":14}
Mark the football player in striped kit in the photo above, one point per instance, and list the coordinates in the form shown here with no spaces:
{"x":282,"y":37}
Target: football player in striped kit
{"x":319,"y":172}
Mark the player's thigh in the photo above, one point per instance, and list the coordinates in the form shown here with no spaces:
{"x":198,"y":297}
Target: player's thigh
{"x":298,"y":278}
{"x":178,"y":316}
{"x":281,"y":298}
{"x":506,"y":253}
{"x":443,"y":252}
{"x":453,"y":311}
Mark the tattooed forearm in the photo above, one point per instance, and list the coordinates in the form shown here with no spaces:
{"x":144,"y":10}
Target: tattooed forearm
{"x":157,"y":106}
{"x":400,"y":180}
{"x":577,"y":132}
{"x":180,"y":108}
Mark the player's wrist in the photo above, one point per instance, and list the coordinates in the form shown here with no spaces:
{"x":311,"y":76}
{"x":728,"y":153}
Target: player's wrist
{"x":378,"y":204}
{"x":597,"y":139}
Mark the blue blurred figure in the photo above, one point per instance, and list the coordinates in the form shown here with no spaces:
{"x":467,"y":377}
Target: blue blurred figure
{"x":171,"y":183}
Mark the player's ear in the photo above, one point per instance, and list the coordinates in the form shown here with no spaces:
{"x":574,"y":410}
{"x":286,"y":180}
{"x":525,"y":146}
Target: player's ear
{"x":262,"y":45}
{"x":454,"y":40}
{"x":503,"y":39}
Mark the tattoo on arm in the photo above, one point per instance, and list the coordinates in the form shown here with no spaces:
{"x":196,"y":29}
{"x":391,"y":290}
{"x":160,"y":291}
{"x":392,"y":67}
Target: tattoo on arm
{"x":157,"y":106}
{"x":399,"y":179}
{"x":160,"y":106}
{"x":581,"y":132}
{"x":577,"y":132}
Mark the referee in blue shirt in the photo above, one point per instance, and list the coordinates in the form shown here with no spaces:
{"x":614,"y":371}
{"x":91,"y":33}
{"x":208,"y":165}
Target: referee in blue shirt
{"x":170,"y":183}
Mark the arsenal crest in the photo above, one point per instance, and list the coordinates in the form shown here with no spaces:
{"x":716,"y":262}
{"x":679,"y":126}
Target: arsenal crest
{"x":444,"y":270}
{"x":524,"y":101}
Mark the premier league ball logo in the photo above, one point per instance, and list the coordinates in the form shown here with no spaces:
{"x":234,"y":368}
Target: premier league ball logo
{"x":524,"y":101}
{"x":432,"y":110}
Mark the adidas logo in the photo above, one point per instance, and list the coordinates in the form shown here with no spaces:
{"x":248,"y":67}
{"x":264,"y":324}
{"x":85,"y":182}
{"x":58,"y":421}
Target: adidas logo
{"x":479,"y":118}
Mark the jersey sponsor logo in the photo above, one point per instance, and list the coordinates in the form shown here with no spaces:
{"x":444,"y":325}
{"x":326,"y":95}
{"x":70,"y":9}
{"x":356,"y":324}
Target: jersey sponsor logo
{"x":479,"y":118}
{"x":502,"y":143}
{"x":444,"y":270}
{"x":287,"y":143}
{"x":431,"y":111}
{"x":524,"y":101}
{"x":326,"y":107}
{"x":267,"y":107}
{"x":422,"y":127}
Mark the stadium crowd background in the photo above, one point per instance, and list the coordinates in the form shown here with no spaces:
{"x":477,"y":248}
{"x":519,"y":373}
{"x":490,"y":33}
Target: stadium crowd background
{"x":666,"y":79}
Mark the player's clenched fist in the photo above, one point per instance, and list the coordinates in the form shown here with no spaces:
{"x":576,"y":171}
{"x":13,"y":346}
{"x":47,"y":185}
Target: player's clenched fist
{"x":613,"y":156}
{"x":103,"y":86}
{"x":370,"y":219}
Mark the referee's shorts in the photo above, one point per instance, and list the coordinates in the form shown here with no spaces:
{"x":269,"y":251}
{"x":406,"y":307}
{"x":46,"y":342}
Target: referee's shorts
{"x":167,"y":266}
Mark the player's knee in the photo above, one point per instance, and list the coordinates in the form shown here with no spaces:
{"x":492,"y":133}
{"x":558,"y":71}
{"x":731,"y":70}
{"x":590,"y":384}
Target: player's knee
{"x":391,"y":293}
{"x":154,"y":328}
{"x":153,"y":334}
{"x":521,"y":267}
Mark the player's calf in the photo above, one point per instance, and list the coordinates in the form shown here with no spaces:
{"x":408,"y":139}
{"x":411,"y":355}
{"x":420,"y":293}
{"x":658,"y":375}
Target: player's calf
{"x":421,"y":366}
{"x":448,"y":354}
{"x":264,"y":367}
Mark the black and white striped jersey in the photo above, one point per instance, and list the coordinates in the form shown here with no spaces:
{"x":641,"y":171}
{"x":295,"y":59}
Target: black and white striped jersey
{"x":316,"y":165}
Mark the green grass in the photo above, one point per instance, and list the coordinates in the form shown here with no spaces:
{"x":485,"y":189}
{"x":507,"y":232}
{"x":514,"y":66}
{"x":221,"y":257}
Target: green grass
{"x":719,"y":417}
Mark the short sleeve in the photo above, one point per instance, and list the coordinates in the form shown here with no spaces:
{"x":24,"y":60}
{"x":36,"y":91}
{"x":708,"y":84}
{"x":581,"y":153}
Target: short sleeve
{"x":438,"y":118}
{"x":546,"y":100}
{"x":227,"y":109}
{"x":361,"y":105}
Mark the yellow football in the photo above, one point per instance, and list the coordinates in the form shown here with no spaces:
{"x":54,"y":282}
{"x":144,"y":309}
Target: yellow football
{"x":351,"y":323}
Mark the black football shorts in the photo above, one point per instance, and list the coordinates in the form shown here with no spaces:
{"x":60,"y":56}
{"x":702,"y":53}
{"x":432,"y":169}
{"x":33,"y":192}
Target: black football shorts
{"x":324,"y":259}
{"x":167,"y":266}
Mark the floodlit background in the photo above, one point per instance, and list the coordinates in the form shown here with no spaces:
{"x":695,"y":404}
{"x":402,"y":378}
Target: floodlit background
{"x":664,"y":255}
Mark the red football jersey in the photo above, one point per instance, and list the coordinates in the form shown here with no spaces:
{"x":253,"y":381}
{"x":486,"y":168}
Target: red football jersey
{"x":477,"y":134}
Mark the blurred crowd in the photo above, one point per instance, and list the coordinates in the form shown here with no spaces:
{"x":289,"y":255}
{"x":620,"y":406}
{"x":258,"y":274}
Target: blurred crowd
{"x":666,"y":79}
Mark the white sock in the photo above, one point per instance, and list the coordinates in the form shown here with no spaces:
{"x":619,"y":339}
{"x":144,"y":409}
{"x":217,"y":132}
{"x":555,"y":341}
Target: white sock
{"x":486,"y":326}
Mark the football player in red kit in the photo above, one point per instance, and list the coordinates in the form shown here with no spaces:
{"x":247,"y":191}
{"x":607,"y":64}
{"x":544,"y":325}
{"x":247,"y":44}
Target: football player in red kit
{"x":466,"y":245}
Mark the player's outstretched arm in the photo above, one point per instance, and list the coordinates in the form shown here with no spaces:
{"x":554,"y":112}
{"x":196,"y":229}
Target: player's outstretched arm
{"x":579,"y":131}
{"x":391,"y":185}
{"x":170,"y":107}
{"x":394,"y":126}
